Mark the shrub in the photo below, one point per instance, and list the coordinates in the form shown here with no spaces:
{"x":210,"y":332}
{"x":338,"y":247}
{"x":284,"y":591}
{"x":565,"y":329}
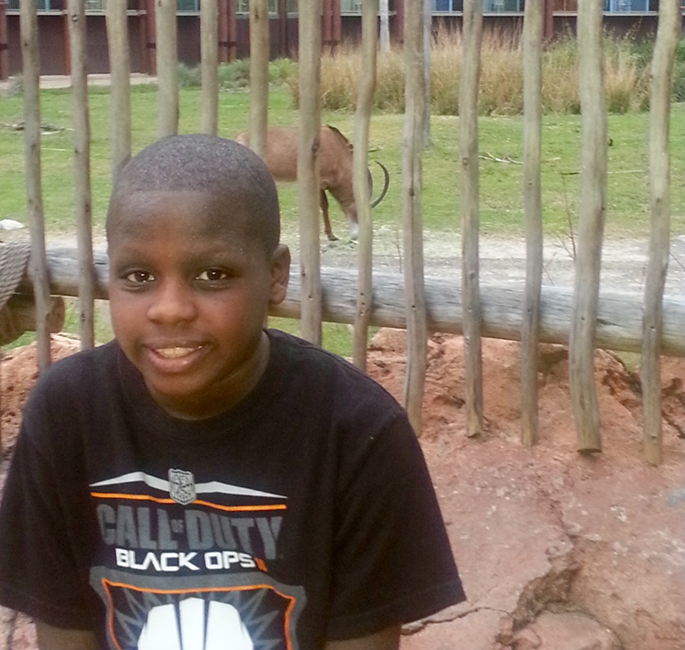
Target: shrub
{"x":281,"y":70}
{"x":627,"y":64}
{"x":389,"y":95}
{"x":339,"y":75}
{"x":627,"y":73}
{"x":189,"y":77}
{"x":293,"y":85}
{"x":560,"y":78}
{"x":235,"y":74}
{"x":445,"y":76}
{"x":501,"y":80}
{"x":15,"y":86}
{"x":679,"y":81}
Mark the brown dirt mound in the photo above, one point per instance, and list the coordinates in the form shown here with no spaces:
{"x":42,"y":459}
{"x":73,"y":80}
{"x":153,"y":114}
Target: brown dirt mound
{"x":618,"y":389}
{"x":543,"y":533}
{"x":18,"y":374}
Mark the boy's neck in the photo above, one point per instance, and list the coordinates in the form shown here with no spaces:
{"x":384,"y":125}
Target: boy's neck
{"x":227,"y":393}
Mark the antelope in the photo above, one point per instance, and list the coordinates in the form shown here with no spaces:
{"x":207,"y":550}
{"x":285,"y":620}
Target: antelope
{"x":335,"y":169}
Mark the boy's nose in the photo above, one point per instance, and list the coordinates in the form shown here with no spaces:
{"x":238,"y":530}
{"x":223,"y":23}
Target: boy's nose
{"x":172,"y":303}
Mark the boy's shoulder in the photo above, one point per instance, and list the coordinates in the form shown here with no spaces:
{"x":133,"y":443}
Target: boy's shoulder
{"x":325,"y":375}
{"x":76,"y":389}
{"x":83,"y":371}
{"x":92,"y":359}
{"x":304,"y":355}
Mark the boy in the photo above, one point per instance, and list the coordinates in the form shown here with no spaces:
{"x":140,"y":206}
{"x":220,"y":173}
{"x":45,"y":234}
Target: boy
{"x":200,"y":482}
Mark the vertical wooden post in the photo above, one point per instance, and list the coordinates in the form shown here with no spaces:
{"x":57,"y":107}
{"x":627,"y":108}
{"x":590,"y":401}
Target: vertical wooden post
{"x":308,"y":188}
{"x":167,"y":68}
{"x":283,"y":28}
{"x":660,"y":226}
{"x":412,"y":217}
{"x":151,"y":44}
{"x":470,"y":215}
{"x":34,"y":198}
{"x":4,"y":59}
{"x":84,"y":230}
{"x":223,"y":31}
{"x":259,"y":75}
{"x":209,"y":37}
{"x":360,"y":171}
{"x":532,"y":202}
{"x":120,"y":85}
{"x":590,"y":226}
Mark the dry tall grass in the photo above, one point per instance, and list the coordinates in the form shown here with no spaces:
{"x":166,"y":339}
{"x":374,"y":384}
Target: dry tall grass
{"x":501,"y":77}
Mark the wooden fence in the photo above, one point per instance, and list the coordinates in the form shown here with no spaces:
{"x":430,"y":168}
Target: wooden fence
{"x":577,"y":315}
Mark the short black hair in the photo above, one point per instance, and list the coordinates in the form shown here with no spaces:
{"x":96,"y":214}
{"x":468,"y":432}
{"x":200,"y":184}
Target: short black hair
{"x":233,"y":175}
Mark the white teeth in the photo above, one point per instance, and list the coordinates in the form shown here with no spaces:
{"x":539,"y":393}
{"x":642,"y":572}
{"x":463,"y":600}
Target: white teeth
{"x":173,"y":353}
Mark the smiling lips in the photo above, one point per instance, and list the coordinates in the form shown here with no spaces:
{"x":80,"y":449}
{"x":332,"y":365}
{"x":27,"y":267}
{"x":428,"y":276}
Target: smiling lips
{"x":176,"y":352}
{"x":173,"y":356}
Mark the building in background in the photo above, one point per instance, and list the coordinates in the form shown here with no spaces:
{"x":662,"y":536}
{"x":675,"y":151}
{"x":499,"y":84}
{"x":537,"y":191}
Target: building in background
{"x":341,"y":22}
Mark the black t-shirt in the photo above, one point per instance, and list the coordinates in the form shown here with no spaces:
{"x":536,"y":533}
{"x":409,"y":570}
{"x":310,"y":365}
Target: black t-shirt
{"x":304,"y":513}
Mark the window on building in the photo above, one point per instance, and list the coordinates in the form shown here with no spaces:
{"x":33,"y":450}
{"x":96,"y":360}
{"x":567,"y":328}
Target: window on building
{"x":188,"y":6}
{"x":350,"y":6}
{"x":442,"y":6}
{"x":243,"y":6}
{"x":626,"y":6}
{"x":489,"y":6}
{"x":503,"y":6}
{"x":41,"y":5}
{"x":183,"y":6}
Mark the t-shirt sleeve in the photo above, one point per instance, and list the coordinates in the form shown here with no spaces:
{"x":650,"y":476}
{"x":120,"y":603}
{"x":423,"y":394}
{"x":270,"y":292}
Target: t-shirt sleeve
{"x":38,"y":566}
{"x":394,"y":563}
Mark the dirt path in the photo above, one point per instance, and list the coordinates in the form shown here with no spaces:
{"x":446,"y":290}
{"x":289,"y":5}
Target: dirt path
{"x":502,"y":259}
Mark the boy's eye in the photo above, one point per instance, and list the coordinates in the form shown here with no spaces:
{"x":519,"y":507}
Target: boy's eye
{"x":212,"y":275}
{"x":139,"y":277}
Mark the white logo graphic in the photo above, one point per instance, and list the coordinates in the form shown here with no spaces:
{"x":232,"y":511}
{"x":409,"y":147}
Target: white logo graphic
{"x":181,"y":486}
{"x":217,"y":628}
{"x":212,"y":487}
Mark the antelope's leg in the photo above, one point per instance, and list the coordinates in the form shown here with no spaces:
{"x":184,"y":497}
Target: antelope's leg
{"x":326,"y":220}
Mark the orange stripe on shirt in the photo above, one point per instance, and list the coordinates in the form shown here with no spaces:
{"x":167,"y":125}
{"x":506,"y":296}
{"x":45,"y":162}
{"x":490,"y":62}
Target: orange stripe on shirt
{"x":199,"y":502}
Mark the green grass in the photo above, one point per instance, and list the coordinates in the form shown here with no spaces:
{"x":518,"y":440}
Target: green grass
{"x":501,"y":203}
{"x":500,"y":183}
{"x":501,"y":210}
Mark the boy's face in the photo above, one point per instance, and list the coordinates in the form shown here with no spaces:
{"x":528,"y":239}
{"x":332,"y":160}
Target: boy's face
{"x":189,"y":296}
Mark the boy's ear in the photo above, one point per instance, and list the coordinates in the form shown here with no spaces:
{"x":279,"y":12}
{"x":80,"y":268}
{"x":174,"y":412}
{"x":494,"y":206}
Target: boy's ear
{"x":280,"y":274}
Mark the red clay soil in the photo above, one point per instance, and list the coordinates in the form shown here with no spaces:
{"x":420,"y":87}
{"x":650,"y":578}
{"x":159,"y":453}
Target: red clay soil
{"x":557,"y":550}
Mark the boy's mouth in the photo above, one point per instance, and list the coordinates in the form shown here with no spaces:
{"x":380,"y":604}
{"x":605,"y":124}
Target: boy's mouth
{"x":174,"y":356}
{"x":176,"y":352}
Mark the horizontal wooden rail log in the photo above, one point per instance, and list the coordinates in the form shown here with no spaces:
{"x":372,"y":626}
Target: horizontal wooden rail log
{"x":619,"y":318}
